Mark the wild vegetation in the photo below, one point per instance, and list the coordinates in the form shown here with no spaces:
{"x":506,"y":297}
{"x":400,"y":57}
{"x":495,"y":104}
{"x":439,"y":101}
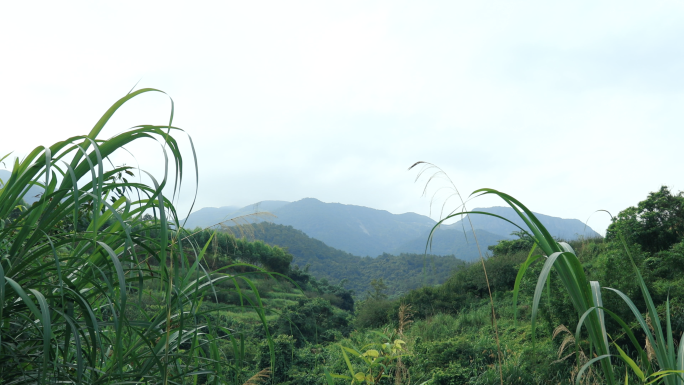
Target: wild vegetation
{"x":93,"y":290}
{"x":401,"y":273}
{"x":99,"y":283}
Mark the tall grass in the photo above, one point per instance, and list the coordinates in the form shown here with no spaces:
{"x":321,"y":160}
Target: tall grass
{"x":455,"y":193}
{"x":75,"y":265}
{"x":586,"y":297}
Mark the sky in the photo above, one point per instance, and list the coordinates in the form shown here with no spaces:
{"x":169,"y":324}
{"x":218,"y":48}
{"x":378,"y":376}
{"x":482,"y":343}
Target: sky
{"x":571,"y":107}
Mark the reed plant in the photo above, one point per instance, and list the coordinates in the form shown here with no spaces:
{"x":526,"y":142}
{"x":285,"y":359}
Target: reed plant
{"x":586,"y":298}
{"x":76,"y":265}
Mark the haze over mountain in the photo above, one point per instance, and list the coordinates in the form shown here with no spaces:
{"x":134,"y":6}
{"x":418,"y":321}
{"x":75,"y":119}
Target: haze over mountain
{"x":357,"y":230}
{"x":458,"y":238}
{"x":452,"y":241}
{"x":567,"y":229}
{"x":364,"y":231}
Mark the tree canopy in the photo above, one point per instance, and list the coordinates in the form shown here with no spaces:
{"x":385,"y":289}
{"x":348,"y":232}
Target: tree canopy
{"x":655,"y":224}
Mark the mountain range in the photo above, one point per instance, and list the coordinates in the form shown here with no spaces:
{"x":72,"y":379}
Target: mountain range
{"x":364,"y":231}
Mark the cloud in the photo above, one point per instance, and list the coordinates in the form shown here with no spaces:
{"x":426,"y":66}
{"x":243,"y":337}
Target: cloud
{"x":570,"y":107}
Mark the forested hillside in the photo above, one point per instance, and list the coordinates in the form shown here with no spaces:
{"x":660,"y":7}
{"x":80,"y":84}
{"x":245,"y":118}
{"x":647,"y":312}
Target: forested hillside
{"x":400,"y":273}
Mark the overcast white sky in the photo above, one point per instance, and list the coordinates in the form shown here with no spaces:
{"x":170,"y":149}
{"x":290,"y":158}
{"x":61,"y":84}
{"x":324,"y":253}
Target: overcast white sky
{"x":570,"y":107}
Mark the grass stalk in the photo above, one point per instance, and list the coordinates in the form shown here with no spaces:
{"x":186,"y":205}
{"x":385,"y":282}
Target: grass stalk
{"x":75,"y":264}
{"x":439,"y":172}
{"x":586,"y":297}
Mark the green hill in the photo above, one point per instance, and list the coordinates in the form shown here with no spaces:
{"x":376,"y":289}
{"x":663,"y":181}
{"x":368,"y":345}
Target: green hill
{"x":401,"y":272}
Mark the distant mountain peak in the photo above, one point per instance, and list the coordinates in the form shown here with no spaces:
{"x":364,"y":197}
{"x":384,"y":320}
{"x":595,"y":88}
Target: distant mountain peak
{"x":561,"y":228}
{"x":365,"y":231}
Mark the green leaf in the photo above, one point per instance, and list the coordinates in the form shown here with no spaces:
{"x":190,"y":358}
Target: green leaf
{"x":630,"y":362}
{"x":587,"y":365}
{"x":328,"y":377}
{"x":346,"y":360}
{"x":518,"y":279}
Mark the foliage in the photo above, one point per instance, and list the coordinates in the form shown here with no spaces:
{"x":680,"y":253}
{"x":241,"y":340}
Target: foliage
{"x":283,"y":349}
{"x":468,"y":284}
{"x":587,"y":300}
{"x":100,"y":284}
{"x":373,"y":313}
{"x":452,"y":341}
{"x":226,"y":249}
{"x":91,"y":292}
{"x":336,"y":294}
{"x":375,"y":310}
{"x":460,"y":349}
{"x":313,"y":320}
{"x":523,"y":243}
{"x":655,"y":224}
{"x":401,"y":273}
{"x":379,"y":289}
{"x":375,"y":360}
{"x":379,"y":359}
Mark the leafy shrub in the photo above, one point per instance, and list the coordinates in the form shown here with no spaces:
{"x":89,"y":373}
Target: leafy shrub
{"x":374,"y":313}
{"x":655,"y":224}
{"x":283,"y":348}
{"x":453,"y":374}
{"x":312,"y":320}
{"x":430,"y":301}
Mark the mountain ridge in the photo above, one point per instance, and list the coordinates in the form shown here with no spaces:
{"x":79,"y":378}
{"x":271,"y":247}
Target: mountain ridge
{"x":365,"y":231}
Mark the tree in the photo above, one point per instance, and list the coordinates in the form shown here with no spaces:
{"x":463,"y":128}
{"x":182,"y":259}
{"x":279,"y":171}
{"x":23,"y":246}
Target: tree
{"x":655,"y":224}
{"x":312,"y":320}
{"x":505,"y":246}
{"x":379,"y":289}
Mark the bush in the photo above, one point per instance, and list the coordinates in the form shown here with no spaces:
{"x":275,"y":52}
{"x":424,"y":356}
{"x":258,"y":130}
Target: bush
{"x":312,"y":320}
{"x":374,"y":313}
{"x":283,"y":350}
